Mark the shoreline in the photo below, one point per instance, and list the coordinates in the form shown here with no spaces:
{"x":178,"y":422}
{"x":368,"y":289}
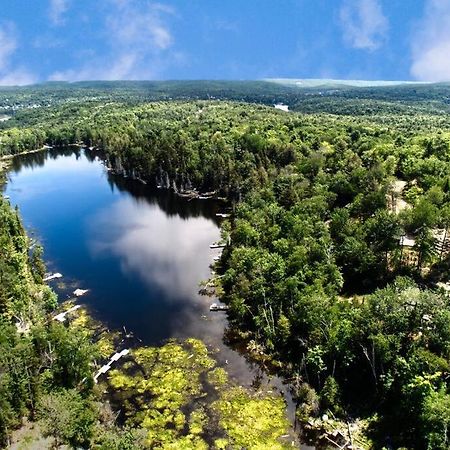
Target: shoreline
{"x":26,"y":152}
{"x":189,"y":194}
{"x":40,"y":149}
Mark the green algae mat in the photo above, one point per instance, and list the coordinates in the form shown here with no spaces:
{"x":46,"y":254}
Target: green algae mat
{"x":183,"y":400}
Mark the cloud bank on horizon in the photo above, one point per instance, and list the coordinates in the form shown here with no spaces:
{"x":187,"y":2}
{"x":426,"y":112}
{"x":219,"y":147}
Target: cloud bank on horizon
{"x":173,"y":39}
{"x":8,"y":45}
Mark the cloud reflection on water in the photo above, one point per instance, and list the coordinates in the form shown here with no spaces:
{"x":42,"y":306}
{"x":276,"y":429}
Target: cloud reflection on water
{"x":163,"y":251}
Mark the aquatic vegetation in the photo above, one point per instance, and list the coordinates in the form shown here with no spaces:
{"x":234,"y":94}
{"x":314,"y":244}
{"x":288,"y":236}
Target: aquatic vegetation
{"x":119,"y":380}
{"x":251,"y":421}
{"x":197,"y":421}
{"x":171,"y":392}
{"x":187,"y":443}
{"x":218,"y":377}
{"x":82,"y":320}
{"x":167,"y":379}
{"x":221,"y":444}
{"x":106,"y":345}
{"x":201,"y":353}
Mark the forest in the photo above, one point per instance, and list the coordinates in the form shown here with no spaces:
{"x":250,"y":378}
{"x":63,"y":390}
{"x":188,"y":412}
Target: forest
{"x":337,"y":256}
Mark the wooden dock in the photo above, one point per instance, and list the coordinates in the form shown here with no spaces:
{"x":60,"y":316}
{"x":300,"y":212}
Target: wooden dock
{"x":107,"y":366}
{"x":61,"y":317}
{"x":52,"y":276}
{"x":80,"y":292}
{"x":217,"y":307}
{"x":216,"y":245}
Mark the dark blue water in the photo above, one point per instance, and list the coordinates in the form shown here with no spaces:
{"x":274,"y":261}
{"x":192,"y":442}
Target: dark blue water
{"x":141,"y":252}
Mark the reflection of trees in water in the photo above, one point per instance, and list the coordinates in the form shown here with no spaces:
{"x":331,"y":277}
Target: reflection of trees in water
{"x":31,"y":160}
{"x":170,"y":203}
{"x":38,"y":159}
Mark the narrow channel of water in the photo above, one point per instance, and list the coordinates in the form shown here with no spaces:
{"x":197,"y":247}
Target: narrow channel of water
{"x":141,"y":252}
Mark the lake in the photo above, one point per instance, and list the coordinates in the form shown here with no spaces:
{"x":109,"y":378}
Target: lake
{"x":140,"y":251}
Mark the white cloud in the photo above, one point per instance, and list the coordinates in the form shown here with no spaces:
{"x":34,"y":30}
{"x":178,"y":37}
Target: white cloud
{"x":57,"y":10}
{"x":431,"y":43}
{"x":17,"y":77}
{"x":8,"y":45}
{"x":140,"y":44}
{"x":364,"y":24}
{"x":144,"y":27}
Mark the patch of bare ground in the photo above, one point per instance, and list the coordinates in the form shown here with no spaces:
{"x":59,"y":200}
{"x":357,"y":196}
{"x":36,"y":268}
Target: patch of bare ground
{"x":29,"y":437}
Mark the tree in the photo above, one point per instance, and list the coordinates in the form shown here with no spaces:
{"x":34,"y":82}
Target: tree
{"x":436,"y":420}
{"x":37,"y":264}
{"x":67,"y":417}
{"x":425,"y":246}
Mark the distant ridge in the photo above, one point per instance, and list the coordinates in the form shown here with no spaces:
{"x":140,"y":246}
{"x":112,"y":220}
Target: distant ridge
{"x":324,"y":82}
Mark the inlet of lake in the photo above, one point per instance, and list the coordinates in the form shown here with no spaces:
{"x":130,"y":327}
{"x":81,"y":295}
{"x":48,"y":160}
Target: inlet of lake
{"x":140,"y":251}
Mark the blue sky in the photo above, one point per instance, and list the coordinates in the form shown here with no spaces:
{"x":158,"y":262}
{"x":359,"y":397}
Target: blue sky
{"x":224,"y":39}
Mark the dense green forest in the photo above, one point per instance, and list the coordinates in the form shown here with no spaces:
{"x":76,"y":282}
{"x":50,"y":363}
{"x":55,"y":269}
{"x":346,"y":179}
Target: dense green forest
{"x":337,"y":251}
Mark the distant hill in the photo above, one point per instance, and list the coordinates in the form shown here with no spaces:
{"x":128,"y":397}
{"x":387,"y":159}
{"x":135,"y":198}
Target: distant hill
{"x":330,"y":83}
{"x":340,"y":97}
